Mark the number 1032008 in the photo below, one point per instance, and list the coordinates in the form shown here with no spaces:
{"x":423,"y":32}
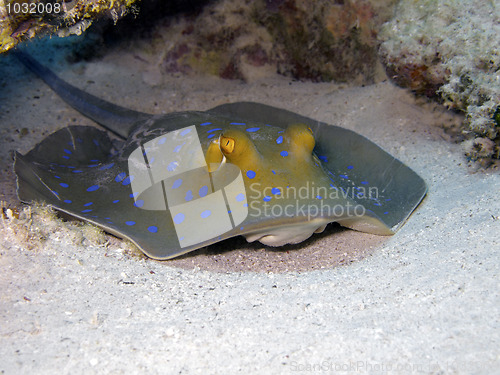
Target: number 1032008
{"x":33,"y":8}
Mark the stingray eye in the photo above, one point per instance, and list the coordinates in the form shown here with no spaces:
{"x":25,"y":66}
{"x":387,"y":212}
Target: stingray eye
{"x":301,"y":138}
{"x":226,"y":144}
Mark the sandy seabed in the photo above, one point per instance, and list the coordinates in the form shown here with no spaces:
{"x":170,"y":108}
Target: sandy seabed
{"x":425,"y":300}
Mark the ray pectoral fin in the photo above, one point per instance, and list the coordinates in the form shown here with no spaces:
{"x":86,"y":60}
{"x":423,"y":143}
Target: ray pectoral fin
{"x":30,"y":184}
{"x":367,"y":224}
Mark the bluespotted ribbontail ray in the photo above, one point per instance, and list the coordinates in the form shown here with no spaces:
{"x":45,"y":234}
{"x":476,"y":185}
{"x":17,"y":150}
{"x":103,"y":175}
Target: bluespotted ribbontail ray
{"x":186,"y":180}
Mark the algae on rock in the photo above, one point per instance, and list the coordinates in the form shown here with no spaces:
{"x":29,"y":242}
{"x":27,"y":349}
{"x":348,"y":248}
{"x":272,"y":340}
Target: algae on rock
{"x":247,"y":39}
{"x":21,"y":20}
{"x":451,"y":48}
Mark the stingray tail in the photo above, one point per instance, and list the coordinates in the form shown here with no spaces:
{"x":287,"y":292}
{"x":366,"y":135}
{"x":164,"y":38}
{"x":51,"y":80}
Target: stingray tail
{"x":114,"y":118}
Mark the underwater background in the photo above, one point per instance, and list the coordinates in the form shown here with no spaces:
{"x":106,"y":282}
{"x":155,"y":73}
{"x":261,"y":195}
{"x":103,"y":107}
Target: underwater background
{"x":419,"y":78}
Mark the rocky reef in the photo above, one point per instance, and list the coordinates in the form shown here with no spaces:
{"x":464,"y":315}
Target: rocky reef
{"x":319,"y":41}
{"x":450,"y":49}
{"x":21,"y":20}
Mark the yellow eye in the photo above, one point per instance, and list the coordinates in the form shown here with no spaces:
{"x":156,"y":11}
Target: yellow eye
{"x":226,"y":144}
{"x":301,"y":138}
{"x":238,"y":149}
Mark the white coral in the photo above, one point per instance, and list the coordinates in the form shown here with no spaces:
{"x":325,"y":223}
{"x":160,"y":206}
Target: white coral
{"x":461,"y":38}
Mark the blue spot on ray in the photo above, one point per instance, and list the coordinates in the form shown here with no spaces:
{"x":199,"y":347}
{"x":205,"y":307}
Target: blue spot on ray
{"x":179,"y":218}
{"x":211,"y":136}
{"x":153,"y":229}
{"x":64,"y":185}
{"x":251,"y":130}
{"x":214,"y":130}
{"x":205,"y":123}
{"x":93,"y":188}
{"x":203,"y":191}
{"x":88,"y":204}
{"x":128,"y":180}
{"x":67,"y":151}
{"x":108,"y":166}
{"x":172,"y":166}
{"x":284,"y":153}
{"x":120,"y":177}
{"x":130,"y":223}
{"x":279,"y":140}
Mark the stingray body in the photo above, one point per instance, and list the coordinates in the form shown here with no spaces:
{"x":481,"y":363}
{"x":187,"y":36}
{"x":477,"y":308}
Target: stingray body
{"x":185,"y":180}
